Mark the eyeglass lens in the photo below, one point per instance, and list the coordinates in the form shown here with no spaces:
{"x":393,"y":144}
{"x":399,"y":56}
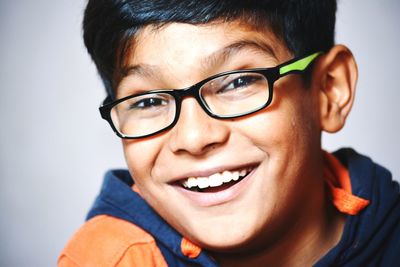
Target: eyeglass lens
{"x":229,"y":95}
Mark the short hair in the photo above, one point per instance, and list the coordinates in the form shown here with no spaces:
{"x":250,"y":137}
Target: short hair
{"x":109,"y":26}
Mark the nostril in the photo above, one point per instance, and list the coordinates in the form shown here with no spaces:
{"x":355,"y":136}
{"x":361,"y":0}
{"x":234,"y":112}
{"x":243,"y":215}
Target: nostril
{"x":197,"y":142}
{"x":211,"y":147}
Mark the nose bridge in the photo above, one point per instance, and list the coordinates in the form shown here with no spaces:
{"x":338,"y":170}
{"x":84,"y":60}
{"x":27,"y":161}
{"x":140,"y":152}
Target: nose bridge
{"x":195,"y":131}
{"x":191,"y":91}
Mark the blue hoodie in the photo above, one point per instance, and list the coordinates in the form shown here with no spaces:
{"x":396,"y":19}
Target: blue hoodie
{"x":371,"y":238}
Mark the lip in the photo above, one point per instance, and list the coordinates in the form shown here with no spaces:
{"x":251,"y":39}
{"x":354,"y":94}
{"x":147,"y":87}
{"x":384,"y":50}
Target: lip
{"x":208,"y":199}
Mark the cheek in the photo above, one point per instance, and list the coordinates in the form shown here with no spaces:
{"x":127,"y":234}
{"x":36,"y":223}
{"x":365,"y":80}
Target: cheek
{"x":289,"y":123}
{"x":140,"y":157}
{"x":288,"y":136}
{"x":271,"y":130}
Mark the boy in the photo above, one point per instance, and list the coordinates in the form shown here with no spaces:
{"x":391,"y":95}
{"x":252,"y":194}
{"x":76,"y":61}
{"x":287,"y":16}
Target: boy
{"x":220,"y":106}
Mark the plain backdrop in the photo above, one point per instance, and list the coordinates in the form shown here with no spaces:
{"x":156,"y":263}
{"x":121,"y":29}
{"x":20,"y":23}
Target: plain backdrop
{"x":54,"y":148}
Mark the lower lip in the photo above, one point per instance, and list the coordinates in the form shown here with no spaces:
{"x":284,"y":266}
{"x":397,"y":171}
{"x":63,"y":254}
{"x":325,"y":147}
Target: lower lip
{"x":207,"y":199}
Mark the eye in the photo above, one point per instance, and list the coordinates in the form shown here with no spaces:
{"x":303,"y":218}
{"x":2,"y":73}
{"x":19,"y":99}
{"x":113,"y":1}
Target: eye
{"x":148,"y":102}
{"x":236,"y":83}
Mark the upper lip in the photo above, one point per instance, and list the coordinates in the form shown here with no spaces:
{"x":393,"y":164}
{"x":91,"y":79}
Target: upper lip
{"x":208,"y":172}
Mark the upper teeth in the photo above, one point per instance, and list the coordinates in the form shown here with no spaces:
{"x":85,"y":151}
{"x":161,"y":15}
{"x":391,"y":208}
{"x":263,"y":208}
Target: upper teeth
{"x":215,"y":179}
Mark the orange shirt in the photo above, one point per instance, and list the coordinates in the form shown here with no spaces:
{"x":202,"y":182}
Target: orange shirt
{"x":106,"y":241}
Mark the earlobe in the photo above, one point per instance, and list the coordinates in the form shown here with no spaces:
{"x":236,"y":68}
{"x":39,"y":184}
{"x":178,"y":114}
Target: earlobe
{"x":336,"y":76}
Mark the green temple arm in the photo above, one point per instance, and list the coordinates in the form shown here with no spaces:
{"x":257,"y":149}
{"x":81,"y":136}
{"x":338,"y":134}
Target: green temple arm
{"x":298,"y":65}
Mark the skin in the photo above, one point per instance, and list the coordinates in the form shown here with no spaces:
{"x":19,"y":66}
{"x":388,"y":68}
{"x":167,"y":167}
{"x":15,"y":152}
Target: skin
{"x":283,"y":216}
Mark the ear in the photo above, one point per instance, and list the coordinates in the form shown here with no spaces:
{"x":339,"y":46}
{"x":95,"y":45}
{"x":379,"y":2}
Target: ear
{"x":335,"y":77}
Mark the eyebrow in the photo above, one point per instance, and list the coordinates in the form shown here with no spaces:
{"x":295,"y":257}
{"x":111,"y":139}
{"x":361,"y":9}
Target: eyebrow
{"x":223,"y":55}
{"x":217,"y":58}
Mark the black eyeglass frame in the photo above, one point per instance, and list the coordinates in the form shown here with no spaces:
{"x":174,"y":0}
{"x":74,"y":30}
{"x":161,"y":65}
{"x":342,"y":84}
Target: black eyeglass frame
{"x":271,"y":75}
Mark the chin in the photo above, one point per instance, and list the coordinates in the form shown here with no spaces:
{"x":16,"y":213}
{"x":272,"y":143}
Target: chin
{"x":229,"y":235}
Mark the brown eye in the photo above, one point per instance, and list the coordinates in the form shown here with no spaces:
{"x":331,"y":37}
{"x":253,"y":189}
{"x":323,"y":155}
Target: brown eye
{"x":239,"y":83}
{"x":148,"y":103}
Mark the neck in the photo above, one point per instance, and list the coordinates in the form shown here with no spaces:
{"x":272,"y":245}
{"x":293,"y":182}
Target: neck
{"x":313,"y":235}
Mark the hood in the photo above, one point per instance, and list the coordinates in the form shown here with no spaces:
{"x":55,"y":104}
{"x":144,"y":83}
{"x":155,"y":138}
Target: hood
{"x":371,"y":238}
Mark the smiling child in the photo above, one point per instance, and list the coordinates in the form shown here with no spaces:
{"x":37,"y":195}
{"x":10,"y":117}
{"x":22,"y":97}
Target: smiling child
{"x":220,"y":107}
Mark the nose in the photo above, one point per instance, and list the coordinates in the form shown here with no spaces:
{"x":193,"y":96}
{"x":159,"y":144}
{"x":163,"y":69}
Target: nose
{"x":196,"y":132}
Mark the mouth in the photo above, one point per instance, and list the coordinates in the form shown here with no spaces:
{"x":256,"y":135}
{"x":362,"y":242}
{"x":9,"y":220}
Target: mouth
{"x":216,"y":182}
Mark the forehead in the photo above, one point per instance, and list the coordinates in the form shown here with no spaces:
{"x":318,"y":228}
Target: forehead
{"x":178,"y":55}
{"x":176,"y":40}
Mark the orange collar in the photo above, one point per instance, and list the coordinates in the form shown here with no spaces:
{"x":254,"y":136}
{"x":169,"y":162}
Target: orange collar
{"x":338,"y":180}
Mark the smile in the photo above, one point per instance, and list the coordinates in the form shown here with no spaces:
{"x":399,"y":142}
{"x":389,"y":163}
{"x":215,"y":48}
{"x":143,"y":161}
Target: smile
{"x":200,"y":184}
{"x":217,"y":188}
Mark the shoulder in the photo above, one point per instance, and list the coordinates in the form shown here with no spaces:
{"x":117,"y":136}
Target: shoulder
{"x":109,"y":241}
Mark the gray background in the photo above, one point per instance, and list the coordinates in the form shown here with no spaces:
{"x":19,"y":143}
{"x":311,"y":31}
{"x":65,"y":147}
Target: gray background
{"x":54,"y":148}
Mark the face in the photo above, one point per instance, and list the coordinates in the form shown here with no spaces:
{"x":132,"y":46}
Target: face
{"x":272,"y":151}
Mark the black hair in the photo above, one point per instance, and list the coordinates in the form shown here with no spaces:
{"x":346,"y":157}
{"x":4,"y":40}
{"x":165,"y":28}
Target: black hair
{"x":109,"y":26}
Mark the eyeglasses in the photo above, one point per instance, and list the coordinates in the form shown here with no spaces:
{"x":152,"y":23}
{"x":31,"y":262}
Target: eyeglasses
{"x":226,"y":95}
